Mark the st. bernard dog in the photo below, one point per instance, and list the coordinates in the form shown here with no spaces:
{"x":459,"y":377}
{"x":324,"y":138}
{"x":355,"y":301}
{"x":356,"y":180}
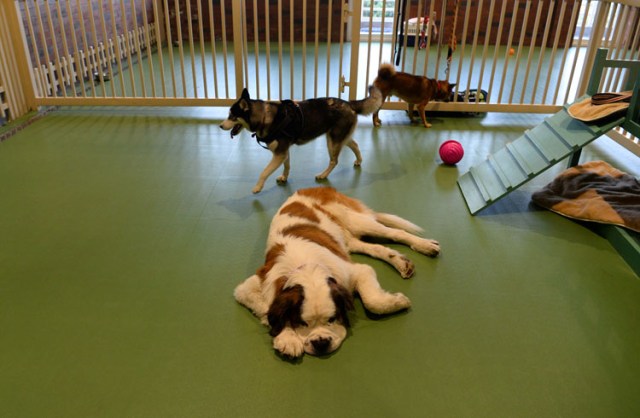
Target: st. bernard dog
{"x":304,"y":290}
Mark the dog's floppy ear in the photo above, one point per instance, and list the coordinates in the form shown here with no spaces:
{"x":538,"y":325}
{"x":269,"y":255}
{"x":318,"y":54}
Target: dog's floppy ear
{"x":342,"y":298}
{"x":286,"y":309}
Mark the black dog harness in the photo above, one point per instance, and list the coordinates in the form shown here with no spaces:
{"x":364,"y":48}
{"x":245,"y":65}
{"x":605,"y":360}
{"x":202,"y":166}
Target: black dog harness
{"x":288,"y":123}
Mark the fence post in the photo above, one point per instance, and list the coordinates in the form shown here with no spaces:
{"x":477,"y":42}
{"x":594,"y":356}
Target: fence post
{"x":595,"y":42}
{"x":18,"y":44}
{"x":238,"y":34}
{"x":356,"y":17}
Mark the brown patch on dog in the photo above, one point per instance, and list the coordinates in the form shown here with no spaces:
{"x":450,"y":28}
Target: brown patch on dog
{"x":328,"y":214}
{"x":343,"y":299}
{"x":286,"y":308}
{"x":279,"y":284}
{"x":300,"y":210}
{"x":318,"y":236}
{"x":325,"y":195}
{"x":270,"y":260}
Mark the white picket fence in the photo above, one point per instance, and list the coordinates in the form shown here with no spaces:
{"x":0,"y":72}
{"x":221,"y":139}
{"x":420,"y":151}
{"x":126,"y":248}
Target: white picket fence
{"x":82,"y":69}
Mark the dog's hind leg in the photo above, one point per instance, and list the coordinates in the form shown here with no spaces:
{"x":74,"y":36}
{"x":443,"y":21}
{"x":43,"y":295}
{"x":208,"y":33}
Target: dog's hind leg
{"x":276,"y":161}
{"x":353,"y":146}
{"x":401,"y":263}
{"x":410,"y":110}
{"x":423,"y":114}
{"x":337,"y":137}
{"x":361,"y":224}
{"x":374,"y":297}
{"x":376,"y":119}
{"x":285,"y":173}
{"x":395,"y":221}
{"x":334,"y":152}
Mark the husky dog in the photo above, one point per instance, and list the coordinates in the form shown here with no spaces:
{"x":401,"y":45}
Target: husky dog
{"x":279,"y":125}
{"x":413,"y":89}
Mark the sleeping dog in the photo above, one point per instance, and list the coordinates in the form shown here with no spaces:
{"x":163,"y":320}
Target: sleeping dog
{"x":279,"y":125}
{"x":305,"y":287}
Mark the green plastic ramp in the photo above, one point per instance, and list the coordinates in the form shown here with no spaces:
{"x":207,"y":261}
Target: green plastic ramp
{"x":558,"y":137}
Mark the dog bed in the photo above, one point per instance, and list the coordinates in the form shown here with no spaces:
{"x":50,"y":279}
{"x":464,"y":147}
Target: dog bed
{"x":595,"y":192}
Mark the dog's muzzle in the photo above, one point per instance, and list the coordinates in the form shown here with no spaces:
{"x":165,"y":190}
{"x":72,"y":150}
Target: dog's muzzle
{"x":230,"y":125}
{"x":319,"y":346}
{"x":236,"y":130}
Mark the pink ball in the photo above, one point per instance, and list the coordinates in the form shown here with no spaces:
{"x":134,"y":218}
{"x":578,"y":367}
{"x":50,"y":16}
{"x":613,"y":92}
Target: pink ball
{"x":451,"y":152}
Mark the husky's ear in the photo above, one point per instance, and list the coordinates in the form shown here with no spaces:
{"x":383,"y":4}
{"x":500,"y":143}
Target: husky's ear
{"x":244,"y":105}
{"x":243,"y":102}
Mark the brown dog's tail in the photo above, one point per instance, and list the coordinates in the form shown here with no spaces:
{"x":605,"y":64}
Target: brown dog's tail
{"x":368,"y":105}
{"x":386,"y":71}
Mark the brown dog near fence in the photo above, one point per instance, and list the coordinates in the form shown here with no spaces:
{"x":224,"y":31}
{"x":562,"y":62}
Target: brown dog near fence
{"x":414,"y":89}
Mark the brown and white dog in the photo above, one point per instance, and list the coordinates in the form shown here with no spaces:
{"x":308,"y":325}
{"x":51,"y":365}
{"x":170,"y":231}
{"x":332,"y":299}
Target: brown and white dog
{"x":413,"y":89}
{"x":305,"y":287}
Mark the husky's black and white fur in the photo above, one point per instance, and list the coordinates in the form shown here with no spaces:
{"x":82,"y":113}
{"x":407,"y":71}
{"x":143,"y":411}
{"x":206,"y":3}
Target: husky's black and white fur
{"x":278,"y":125}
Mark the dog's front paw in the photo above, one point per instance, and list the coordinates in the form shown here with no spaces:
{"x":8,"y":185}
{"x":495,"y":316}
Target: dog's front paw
{"x":427,"y":247}
{"x":288,"y":343}
{"x":357,"y":163}
{"x":256,"y":189}
{"x":321,"y":177}
{"x":281,"y":179}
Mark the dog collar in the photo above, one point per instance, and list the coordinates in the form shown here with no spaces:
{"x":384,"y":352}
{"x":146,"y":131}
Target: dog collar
{"x":289,"y":125}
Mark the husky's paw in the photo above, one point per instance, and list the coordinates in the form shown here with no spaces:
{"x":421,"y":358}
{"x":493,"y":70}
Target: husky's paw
{"x":321,"y":177}
{"x":256,"y":189}
{"x":281,"y":179}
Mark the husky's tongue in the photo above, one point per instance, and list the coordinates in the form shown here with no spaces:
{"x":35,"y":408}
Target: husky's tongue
{"x":235,"y":130}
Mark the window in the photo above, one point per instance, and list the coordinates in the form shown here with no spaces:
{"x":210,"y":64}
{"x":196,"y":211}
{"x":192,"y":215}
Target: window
{"x":373,"y":11}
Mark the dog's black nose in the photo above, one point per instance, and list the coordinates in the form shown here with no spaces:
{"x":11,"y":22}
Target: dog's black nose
{"x":321,"y":345}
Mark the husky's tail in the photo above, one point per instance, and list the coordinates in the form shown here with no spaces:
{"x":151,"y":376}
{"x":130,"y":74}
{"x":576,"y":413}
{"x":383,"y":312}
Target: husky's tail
{"x":386,"y":71}
{"x":368,"y":105}
{"x":394,"y":221}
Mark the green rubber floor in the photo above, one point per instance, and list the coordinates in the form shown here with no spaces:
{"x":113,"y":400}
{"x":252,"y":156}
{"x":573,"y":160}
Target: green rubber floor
{"x":124,"y":231}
